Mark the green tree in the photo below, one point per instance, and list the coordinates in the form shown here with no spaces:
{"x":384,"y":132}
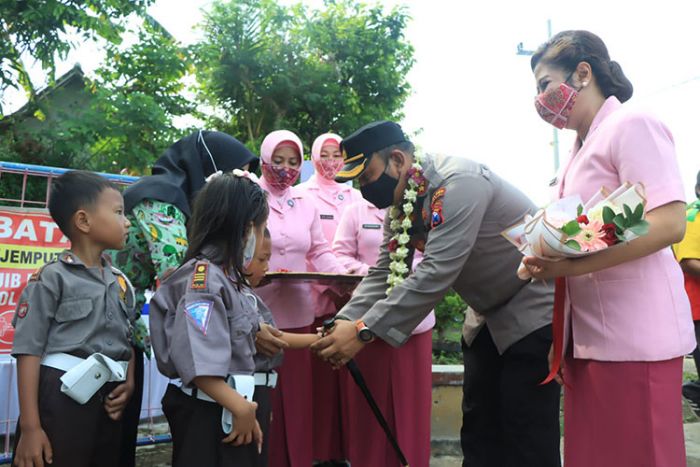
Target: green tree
{"x":38,"y":29}
{"x":262,"y":66}
{"x":128,"y":121}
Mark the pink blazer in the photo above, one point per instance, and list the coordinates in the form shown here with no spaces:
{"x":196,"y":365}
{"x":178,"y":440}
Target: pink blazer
{"x":297,"y":240}
{"x":330,"y":200}
{"x":357,"y":242}
{"x":637,"y":311}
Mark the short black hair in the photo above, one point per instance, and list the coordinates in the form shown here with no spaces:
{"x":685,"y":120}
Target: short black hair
{"x":221,"y":215}
{"x":73,"y":191}
{"x":404,"y":146}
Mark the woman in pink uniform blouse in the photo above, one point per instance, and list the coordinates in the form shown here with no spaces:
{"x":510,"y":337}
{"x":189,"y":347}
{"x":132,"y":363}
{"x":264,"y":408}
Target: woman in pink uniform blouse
{"x":399,"y":378}
{"x":628,"y":318}
{"x":297,"y":239}
{"x":330,"y":199}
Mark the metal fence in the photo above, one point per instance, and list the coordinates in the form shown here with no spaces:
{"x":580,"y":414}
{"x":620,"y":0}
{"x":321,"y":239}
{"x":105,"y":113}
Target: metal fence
{"x":29,"y":186}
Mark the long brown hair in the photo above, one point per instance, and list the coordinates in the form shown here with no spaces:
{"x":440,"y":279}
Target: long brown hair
{"x":223,"y":211}
{"x":569,"y":48}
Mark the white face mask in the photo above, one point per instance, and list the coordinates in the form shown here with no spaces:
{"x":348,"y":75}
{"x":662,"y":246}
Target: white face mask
{"x":249,"y":250}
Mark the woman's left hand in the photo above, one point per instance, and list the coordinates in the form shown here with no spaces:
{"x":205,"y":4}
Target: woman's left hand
{"x":543,"y":269}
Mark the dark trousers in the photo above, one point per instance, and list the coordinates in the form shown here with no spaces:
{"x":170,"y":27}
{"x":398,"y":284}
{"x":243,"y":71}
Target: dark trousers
{"x":80,"y":435}
{"x":263,"y":395}
{"x":195,"y":426}
{"x":132,"y":415}
{"x":509,"y":420}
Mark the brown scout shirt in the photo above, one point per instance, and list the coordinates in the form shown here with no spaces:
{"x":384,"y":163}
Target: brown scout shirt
{"x":68,"y":307}
{"x":201,"y":324}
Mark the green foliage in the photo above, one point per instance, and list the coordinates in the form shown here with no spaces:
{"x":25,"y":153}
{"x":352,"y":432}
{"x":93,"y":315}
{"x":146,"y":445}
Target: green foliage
{"x":263,"y":66}
{"x":627,"y":220}
{"x":128,"y":119}
{"x":37,"y":28}
{"x":449,"y":315}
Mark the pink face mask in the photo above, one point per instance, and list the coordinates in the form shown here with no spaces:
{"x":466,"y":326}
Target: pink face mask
{"x":329,"y":166}
{"x":555,"y":105}
{"x":279,"y":177}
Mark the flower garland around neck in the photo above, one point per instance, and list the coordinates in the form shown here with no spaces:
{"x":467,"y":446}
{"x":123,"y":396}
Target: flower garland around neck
{"x":401,"y":223}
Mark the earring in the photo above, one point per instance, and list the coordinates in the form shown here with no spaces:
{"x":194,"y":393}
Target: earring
{"x":584,"y":84}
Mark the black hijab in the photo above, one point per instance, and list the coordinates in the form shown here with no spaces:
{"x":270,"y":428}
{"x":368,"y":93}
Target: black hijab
{"x":181,"y":171}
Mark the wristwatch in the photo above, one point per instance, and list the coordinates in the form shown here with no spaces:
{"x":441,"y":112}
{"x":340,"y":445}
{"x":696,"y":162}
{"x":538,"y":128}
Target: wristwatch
{"x":364,"y":333}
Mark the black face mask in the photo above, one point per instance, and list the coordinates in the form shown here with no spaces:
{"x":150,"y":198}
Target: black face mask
{"x":381,"y":191}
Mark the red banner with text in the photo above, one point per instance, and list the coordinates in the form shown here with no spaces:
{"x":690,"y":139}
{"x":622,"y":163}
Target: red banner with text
{"x":29,"y":238}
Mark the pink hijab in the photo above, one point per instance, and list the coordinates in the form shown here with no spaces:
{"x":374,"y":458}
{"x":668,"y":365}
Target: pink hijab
{"x":274,"y":139}
{"x":322,"y":141}
{"x":326,"y":168}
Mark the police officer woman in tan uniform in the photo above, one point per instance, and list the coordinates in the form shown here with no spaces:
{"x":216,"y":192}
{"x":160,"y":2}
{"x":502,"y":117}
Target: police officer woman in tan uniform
{"x":454,"y":210}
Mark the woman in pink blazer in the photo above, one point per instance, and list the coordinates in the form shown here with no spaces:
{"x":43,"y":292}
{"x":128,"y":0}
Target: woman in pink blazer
{"x":628,"y":322}
{"x":399,"y":378}
{"x":330,"y":199}
{"x":297,"y":240}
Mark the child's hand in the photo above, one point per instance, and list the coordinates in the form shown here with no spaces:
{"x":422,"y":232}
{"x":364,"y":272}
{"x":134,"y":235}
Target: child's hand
{"x":268,"y":342}
{"x":33,"y":448}
{"x":244,"y":425}
{"x":116,"y":400}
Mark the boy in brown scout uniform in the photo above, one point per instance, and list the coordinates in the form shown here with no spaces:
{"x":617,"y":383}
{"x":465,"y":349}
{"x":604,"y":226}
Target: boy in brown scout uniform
{"x":72,"y":331}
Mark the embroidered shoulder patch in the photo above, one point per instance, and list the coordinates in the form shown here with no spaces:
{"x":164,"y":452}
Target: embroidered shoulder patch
{"x":199,"y":312}
{"x":199,"y":278}
{"x":436,"y":217}
{"x":22,"y":309}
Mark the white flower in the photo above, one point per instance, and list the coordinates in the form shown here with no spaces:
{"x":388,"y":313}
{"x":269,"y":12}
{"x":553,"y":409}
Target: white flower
{"x":410,"y":195}
{"x":596,"y":212}
{"x":399,"y":229}
{"x":401,"y":252}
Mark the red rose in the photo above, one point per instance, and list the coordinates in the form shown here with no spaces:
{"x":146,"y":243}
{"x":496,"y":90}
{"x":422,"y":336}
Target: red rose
{"x":610,"y":234}
{"x":393,"y":245}
{"x":582,"y":219}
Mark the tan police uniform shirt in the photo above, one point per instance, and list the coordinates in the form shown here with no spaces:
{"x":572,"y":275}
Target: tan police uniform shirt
{"x":465,"y":210}
{"x":68,"y":307}
{"x":201,"y":324}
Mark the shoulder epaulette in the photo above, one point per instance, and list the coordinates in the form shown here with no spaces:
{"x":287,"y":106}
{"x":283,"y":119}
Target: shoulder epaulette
{"x":199,"y":276}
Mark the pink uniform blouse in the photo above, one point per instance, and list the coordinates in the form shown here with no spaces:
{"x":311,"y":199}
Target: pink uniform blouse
{"x":357,"y":242}
{"x":330,"y":200}
{"x":637,"y":311}
{"x":297,"y":238}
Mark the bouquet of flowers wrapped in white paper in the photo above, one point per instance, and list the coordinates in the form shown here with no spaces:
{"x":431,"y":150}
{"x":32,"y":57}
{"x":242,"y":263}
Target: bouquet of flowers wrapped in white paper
{"x":569,"y":228}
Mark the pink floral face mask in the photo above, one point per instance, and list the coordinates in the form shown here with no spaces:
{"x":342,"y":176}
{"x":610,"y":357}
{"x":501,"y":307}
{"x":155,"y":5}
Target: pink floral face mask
{"x":328,"y":167}
{"x":555,"y":105}
{"x":279,"y":177}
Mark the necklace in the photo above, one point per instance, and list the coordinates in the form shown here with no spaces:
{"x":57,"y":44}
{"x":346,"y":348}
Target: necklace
{"x":401,"y":222}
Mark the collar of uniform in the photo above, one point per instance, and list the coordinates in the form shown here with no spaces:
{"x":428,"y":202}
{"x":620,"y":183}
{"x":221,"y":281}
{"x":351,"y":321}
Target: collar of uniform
{"x":431,"y":174}
{"x":610,"y":105}
{"x":70,"y":258}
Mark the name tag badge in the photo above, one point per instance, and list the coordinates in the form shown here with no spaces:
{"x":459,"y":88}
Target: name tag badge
{"x":327,"y":217}
{"x":371,"y":226}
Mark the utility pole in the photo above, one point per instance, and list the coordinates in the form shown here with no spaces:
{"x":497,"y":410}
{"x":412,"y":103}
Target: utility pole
{"x":520,"y":50}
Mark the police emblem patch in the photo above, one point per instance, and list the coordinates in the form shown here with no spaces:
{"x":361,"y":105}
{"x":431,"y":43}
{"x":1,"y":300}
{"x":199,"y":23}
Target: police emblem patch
{"x":436,"y":207}
{"x":199,"y":278}
{"x":22,"y":309}
{"x":199,"y":312}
